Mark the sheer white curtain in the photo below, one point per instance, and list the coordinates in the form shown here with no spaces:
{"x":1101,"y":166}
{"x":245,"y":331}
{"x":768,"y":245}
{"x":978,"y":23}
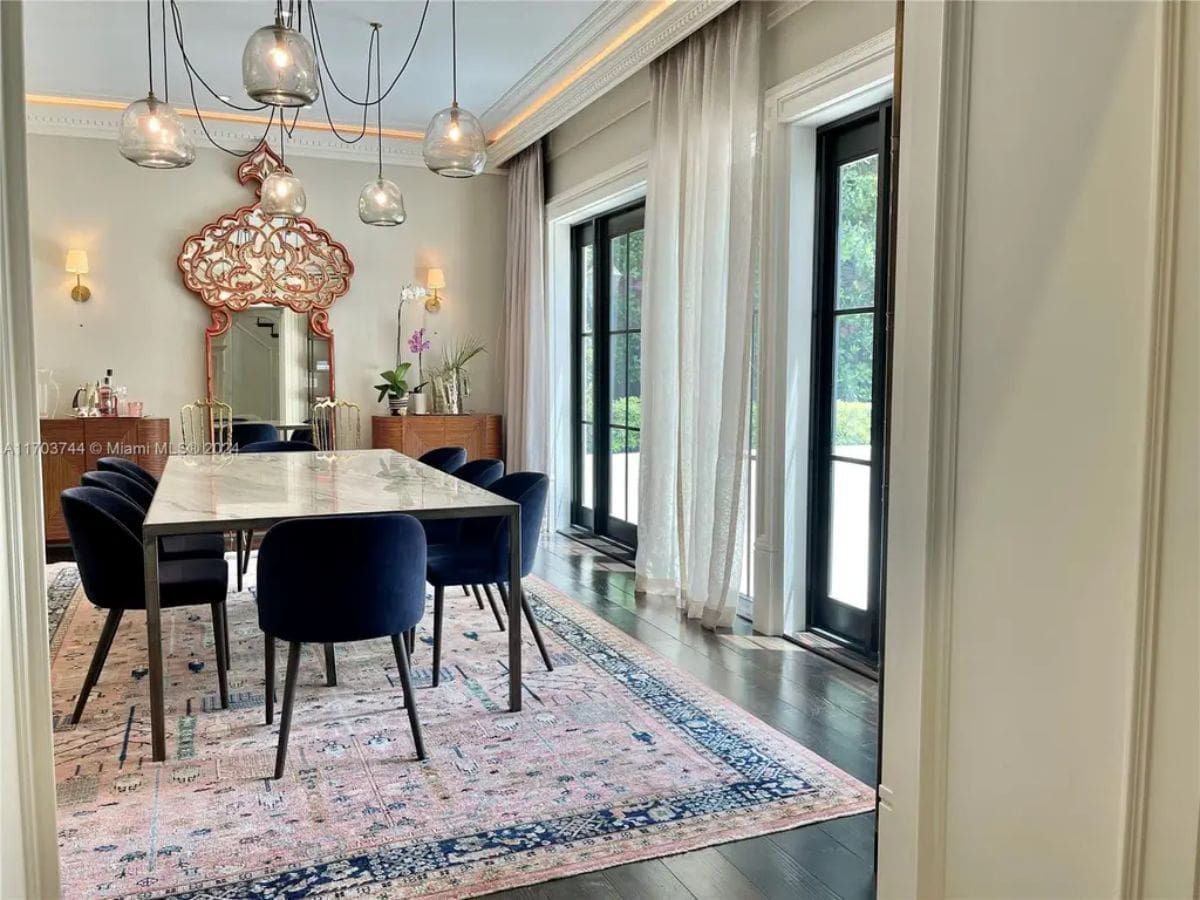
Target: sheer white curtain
{"x":701,"y":234}
{"x":526,"y":370}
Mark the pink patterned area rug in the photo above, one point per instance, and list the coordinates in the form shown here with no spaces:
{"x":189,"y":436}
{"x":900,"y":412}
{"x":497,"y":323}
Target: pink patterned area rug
{"x":617,"y":756}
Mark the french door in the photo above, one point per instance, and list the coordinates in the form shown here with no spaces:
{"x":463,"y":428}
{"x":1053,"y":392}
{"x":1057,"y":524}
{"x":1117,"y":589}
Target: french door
{"x":850,"y":370}
{"x":606,"y":287}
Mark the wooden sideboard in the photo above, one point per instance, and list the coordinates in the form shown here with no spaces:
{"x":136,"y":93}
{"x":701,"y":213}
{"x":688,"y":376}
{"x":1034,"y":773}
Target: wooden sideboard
{"x":71,"y":447}
{"x":413,"y":435}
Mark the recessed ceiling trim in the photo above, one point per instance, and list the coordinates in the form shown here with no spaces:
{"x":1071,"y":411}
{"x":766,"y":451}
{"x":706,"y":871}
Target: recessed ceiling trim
{"x":658,"y":29}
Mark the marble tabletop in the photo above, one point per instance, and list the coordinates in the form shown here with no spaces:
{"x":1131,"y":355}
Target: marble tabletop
{"x":227,"y":491}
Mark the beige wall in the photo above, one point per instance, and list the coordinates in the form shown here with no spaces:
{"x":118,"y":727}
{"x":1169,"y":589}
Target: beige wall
{"x":616,"y":126}
{"x":145,"y":325}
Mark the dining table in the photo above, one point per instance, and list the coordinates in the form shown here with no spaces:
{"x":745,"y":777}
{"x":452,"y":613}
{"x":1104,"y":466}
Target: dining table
{"x":226,"y":492}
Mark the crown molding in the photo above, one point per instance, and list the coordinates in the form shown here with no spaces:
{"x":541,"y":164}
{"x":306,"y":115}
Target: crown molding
{"x":673,"y":23}
{"x":78,"y":121}
{"x":597,"y":30}
{"x":782,"y":10}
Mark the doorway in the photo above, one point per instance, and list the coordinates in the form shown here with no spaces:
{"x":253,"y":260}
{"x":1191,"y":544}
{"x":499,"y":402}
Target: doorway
{"x":847,"y":497}
{"x":606,"y":326}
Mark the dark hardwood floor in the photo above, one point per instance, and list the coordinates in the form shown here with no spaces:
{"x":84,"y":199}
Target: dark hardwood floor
{"x":826,"y":707}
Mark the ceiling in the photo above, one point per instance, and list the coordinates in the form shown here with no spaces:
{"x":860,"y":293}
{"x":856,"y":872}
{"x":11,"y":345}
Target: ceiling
{"x":97,"y":50}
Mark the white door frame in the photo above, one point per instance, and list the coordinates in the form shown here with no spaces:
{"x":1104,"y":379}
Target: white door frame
{"x":622,"y":184}
{"x":28,"y":840}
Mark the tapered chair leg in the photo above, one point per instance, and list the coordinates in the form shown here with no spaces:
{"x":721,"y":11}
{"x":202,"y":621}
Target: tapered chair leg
{"x":269,"y":679}
{"x":225,"y":629}
{"x":478,"y":596}
{"x":330,"y":666}
{"x":98,"y":657}
{"x":495,"y":609}
{"x":219,"y":645}
{"x":410,"y":640}
{"x":249,"y":544}
{"x":410,"y":699}
{"x":439,"y":596}
{"x":533,"y":625}
{"x":241,"y":540}
{"x":467,"y":591}
{"x":285,"y":717}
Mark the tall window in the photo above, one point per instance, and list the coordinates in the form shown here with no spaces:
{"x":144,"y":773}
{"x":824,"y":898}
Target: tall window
{"x":847,"y":489}
{"x":607,"y":378}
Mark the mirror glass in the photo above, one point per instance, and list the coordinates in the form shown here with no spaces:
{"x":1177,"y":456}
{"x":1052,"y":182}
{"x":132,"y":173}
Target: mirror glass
{"x":269,"y":365}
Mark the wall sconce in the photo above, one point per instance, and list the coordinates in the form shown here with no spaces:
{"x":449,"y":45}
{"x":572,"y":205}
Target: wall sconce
{"x":437,"y":281}
{"x":77,"y":265}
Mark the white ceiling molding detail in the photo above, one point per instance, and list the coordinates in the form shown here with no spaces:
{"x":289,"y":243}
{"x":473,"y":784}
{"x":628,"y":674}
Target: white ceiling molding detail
{"x":103,"y":124}
{"x":671,"y":26}
{"x":782,"y":10}
{"x":597,"y":30}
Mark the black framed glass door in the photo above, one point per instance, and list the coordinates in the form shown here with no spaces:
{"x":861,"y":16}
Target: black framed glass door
{"x":847,"y":486}
{"x":606,"y":288}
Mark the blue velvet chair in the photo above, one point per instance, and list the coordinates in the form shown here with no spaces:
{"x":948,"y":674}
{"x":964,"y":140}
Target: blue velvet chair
{"x":253,"y":433}
{"x":447,"y":459}
{"x":480,"y":555}
{"x":127,"y":467}
{"x":278,"y":447}
{"x":105,"y":530}
{"x":376,"y":589}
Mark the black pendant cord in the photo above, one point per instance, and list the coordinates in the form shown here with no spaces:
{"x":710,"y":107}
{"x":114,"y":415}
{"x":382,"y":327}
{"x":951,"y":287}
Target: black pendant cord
{"x":149,"y":48}
{"x":315,"y":30}
{"x":366,"y":108}
{"x":282,"y":144}
{"x":378,"y":105}
{"x":453,"y":54}
{"x":166,"y":75}
{"x":192,"y":72}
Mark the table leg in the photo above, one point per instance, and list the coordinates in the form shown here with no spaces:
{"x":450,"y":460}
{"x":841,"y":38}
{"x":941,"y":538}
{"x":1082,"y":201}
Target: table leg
{"x":158,"y":732}
{"x":514,"y":610}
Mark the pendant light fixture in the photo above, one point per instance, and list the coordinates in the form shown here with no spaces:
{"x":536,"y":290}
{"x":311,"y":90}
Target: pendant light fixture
{"x":279,"y":65}
{"x":282,"y":195}
{"x":151,"y":135}
{"x":455,"y":145}
{"x":380,"y":201}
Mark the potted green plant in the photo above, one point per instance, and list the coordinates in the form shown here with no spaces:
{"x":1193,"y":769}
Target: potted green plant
{"x":395,"y":388}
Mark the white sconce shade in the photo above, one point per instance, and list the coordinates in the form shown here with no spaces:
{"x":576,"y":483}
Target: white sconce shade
{"x":437,"y":279}
{"x":77,"y":262}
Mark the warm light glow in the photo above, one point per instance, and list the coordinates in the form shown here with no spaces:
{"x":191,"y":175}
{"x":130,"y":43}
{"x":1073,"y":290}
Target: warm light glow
{"x":280,"y":57}
{"x":437,"y":279}
{"x":606,"y":51}
{"x":454,"y":132}
{"x":77,"y":262}
{"x":380,"y":197}
{"x":153,"y":124}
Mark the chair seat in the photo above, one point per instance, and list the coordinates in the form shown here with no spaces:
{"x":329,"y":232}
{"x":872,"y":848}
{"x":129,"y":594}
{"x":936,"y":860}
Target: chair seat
{"x":193,"y":546}
{"x":450,"y":564}
{"x":184,"y":582}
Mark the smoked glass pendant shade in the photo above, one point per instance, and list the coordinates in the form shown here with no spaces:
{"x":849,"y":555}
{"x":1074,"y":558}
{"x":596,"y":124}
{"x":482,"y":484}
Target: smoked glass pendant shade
{"x":381,"y":203}
{"x":279,"y":67}
{"x":152,"y":136}
{"x":282,"y":195}
{"x":455,"y":145}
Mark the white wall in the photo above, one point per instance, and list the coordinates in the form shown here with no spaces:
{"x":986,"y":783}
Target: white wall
{"x":144,"y":324}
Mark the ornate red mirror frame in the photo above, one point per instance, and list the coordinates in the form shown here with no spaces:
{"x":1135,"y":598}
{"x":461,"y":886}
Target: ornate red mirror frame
{"x":246,"y":258}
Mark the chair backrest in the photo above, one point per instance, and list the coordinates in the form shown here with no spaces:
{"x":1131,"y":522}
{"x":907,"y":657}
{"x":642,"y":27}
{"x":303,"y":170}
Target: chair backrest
{"x":127,"y":467}
{"x":480,"y":472}
{"x":336,"y":425}
{"x":375,"y":588}
{"x":447,"y":459}
{"x":253,"y":433}
{"x":278,"y":447}
{"x":132,"y":490}
{"x":205,"y":426}
{"x":105,"y":531}
{"x":528,"y":489}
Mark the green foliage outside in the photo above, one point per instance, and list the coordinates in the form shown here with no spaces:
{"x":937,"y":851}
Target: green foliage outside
{"x":852,"y":423}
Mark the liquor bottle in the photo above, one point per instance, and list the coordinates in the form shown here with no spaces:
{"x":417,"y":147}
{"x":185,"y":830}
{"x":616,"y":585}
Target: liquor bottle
{"x":106,"y":397}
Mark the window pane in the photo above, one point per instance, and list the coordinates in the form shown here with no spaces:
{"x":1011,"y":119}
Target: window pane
{"x":617,"y":474}
{"x":587,"y":376}
{"x":587,"y":467}
{"x":849,"y":533}
{"x":634,"y":376}
{"x":619,"y":250}
{"x":854,"y":352}
{"x":587,"y":322}
{"x":858,"y":192}
{"x":633,"y":448}
{"x":616,"y":377}
{"x":637,"y":243}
